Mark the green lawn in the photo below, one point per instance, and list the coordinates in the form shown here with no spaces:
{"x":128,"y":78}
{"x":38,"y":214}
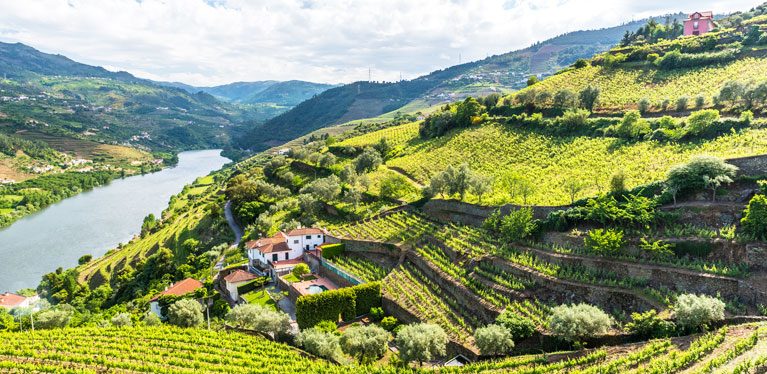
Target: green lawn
{"x":293,"y":279}
{"x":204,"y":181}
{"x":260,"y":297}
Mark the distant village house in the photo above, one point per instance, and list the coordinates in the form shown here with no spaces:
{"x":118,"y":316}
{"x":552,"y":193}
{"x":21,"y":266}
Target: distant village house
{"x":181,"y":288}
{"x":699,"y":23}
{"x":10,"y":301}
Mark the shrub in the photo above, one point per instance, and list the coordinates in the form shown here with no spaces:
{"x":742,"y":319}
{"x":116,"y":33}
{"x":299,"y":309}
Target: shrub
{"x":694,"y":311}
{"x":649,"y":326}
{"x":564,"y":98}
{"x":581,"y":63}
{"x":519,"y":326}
{"x":746,"y":117}
{"x":52,"y":319}
{"x":152,"y":320}
{"x":643,"y":105}
{"x":681,"y":103}
{"x":700,"y":101}
{"x":665,"y":103}
{"x":652,"y":57}
{"x":365,"y":343}
{"x":618,"y":182}
{"x":632,"y":126}
{"x":589,"y":96}
{"x":122,"y":320}
{"x":605,"y":242}
{"x":367,"y":296}
{"x":327,"y":326}
{"x":388,"y":323}
{"x":346,"y":302}
{"x":330,"y":251}
{"x":573,"y":323}
{"x":689,"y":177}
{"x":300,"y":270}
{"x":421,"y":342}
{"x":320,"y":343}
{"x":754,"y":220}
{"x":574,"y":118}
{"x":259,"y":318}
{"x":185,"y":313}
{"x":493,"y":340}
{"x":517,"y":224}
{"x":376,"y":314}
{"x":84,"y":259}
{"x":657,"y":249}
{"x":701,"y":121}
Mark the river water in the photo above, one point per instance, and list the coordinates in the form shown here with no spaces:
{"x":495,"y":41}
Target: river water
{"x":92,"y":222}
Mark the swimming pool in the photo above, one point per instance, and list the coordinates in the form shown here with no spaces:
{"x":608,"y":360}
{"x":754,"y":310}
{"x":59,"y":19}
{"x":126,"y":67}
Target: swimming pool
{"x":315,"y":289}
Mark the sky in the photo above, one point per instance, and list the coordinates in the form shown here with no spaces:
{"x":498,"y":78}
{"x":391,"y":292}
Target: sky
{"x":212,"y":42}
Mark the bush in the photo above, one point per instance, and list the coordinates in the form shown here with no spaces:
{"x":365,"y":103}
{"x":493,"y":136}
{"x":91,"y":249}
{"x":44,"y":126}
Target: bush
{"x":632,"y":126}
{"x":300,"y":270}
{"x":605,"y":242}
{"x":325,"y":306}
{"x":689,"y":177}
{"x":618,"y":182}
{"x":376,"y":314}
{"x":122,"y":320}
{"x":755,"y":217}
{"x":365,"y":343}
{"x":589,"y":96}
{"x":367,"y":296}
{"x":574,"y":323}
{"x":643,"y":105}
{"x":681,"y":103}
{"x":746,"y":117}
{"x":494,"y":340}
{"x":319,"y":343}
{"x":53,"y":319}
{"x":702,"y":121}
{"x":327,"y":326}
{"x":693,"y":312}
{"x":421,"y":342}
{"x":330,"y":251}
{"x":84,"y":259}
{"x":519,"y":326}
{"x":517,"y":224}
{"x":389,"y":323}
{"x":574,"y":118}
{"x":186,"y":313}
{"x":700,"y":101}
{"x":259,"y":318}
{"x":649,"y":326}
{"x":152,"y":320}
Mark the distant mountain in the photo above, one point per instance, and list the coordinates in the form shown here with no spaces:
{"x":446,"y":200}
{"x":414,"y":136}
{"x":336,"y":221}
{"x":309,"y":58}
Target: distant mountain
{"x":289,"y":93}
{"x":501,"y":73}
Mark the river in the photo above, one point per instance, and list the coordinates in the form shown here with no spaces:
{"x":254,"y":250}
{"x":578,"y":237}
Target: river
{"x":92,"y":222}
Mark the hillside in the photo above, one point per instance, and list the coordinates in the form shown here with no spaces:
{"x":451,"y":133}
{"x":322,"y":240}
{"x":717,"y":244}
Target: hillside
{"x":496,"y":74}
{"x":288,"y":93}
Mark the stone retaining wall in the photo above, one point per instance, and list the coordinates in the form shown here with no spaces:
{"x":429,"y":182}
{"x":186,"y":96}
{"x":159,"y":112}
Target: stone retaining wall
{"x":472,"y":214}
{"x":753,"y":165}
{"x":369,"y":246}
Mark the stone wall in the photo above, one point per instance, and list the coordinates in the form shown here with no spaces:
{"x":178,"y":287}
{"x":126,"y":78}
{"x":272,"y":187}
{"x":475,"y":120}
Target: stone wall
{"x":369,"y":246}
{"x":753,"y":165}
{"x":472,"y":214}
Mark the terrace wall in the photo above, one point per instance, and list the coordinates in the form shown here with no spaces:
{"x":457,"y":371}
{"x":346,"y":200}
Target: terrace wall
{"x":368,"y":246}
{"x":753,"y":165}
{"x":472,"y":214}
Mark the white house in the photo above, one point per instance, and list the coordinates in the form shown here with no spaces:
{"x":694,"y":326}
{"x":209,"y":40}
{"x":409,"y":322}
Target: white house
{"x":283,"y":151}
{"x":284,"y":245}
{"x":181,"y":288}
{"x":235,"y":279}
{"x":10,"y":301}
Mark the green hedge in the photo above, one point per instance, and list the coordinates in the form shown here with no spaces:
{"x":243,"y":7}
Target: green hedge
{"x":332,"y":250}
{"x":325,"y":306}
{"x":368,"y":296}
{"x":346,"y":302}
{"x":250,"y":286}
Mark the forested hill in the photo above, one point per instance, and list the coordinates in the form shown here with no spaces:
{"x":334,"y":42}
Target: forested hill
{"x":500,"y":73}
{"x":288,"y":93}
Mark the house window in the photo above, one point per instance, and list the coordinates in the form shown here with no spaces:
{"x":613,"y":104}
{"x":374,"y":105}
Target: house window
{"x":274,"y":257}
{"x":695,"y":24}
{"x":308,"y":236}
{"x":295,"y":241}
{"x":286,"y":255}
{"x":318,"y":236}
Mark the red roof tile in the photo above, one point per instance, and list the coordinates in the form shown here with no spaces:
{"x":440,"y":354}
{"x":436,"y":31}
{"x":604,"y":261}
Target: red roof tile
{"x":181,"y":288}
{"x":240,"y":276}
{"x":277,"y":243}
{"x":305,"y":231}
{"x":11,"y":300}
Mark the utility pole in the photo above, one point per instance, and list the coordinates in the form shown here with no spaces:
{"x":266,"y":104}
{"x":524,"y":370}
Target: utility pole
{"x":207,"y":311}
{"x":32,"y":320}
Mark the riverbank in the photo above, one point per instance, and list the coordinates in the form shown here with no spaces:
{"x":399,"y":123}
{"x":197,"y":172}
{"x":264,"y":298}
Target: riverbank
{"x":93,"y":222}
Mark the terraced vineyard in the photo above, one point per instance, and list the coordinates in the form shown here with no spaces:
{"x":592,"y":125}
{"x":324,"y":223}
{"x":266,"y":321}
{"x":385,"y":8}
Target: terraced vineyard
{"x":625,"y":86}
{"x":396,"y":135}
{"x":495,"y":150}
{"x":365,"y":269}
{"x":394,"y":227}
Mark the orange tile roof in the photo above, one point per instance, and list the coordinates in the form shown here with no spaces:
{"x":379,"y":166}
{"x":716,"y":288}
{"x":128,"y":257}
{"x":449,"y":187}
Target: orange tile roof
{"x":181,"y":288}
{"x":239,"y":276}
{"x":305,"y":231}
{"x":11,"y":300}
{"x":277,"y":243}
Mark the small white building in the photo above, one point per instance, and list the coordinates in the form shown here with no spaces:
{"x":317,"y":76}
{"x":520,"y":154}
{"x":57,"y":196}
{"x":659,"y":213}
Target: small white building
{"x":10,"y":301}
{"x":235,"y":279}
{"x":284,"y":245}
{"x":181,"y":288}
{"x":283,"y":151}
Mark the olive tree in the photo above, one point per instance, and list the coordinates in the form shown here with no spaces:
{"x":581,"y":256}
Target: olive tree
{"x":259,"y":318}
{"x":52,"y":319}
{"x":300,"y":270}
{"x":700,"y":172}
{"x":693,"y":311}
{"x":321,"y":343}
{"x":421,"y":342}
{"x":368,"y":160}
{"x":573,"y":323}
{"x":589,"y":96}
{"x":122,"y":320}
{"x":186,"y":313}
{"x":493,"y":340}
{"x":152,"y":320}
{"x":365,"y":343}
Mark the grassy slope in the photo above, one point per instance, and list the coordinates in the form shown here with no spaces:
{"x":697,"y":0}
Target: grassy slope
{"x":549,"y":161}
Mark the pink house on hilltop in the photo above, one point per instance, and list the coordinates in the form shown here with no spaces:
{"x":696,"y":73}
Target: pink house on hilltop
{"x":699,"y":23}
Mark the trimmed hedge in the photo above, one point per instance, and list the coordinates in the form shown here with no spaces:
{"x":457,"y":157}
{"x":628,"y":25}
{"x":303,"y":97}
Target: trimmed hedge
{"x":250,"y":286}
{"x":346,"y":302}
{"x":368,"y":296}
{"x":325,"y":306}
{"x":332,"y":250}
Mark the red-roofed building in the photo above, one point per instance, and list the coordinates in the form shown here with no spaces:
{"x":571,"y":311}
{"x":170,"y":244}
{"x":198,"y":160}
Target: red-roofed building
{"x":9,"y":301}
{"x":178,"y":289}
{"x":235,"y":279}
{"x":283,"y":246}
{"x":699,"y":23}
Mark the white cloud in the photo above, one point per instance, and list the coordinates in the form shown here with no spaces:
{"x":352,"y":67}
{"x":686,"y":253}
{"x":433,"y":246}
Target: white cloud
{"x":206,"y":42}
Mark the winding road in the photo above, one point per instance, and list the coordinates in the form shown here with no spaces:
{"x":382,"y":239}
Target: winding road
{"x":235,"y":227}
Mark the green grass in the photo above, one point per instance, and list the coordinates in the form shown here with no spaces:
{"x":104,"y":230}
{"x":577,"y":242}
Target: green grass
{"x":293,"y":279}
{"x":5,"y":210}
{"x":261,"y":298}
{"x":550,"y":161}
{"x":204,"y":181}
